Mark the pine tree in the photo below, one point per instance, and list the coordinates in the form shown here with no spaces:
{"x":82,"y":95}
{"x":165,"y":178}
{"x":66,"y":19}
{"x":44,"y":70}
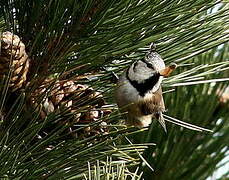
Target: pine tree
{"x":58,"y":115}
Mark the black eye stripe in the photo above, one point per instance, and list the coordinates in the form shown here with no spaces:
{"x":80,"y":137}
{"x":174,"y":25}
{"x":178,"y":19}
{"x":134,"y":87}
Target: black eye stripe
{"x":148,"y":64}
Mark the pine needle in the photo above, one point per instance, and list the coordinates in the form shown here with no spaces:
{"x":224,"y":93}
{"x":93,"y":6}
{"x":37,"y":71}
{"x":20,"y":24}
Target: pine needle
{"x":185,"y":124}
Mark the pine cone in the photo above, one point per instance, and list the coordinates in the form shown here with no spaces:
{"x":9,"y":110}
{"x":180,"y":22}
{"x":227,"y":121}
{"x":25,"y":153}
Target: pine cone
{"x":68,"y":96}
{"x":91,"y":117}
{"x":13,"y":60}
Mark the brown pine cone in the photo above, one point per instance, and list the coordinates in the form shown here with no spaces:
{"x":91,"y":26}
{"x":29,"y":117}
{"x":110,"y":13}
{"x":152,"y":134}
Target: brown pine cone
{"x":82,"y":102}
{"x":14,"y":61}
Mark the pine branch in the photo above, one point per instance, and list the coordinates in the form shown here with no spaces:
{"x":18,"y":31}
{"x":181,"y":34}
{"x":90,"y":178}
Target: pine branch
{"x":71,"y":41}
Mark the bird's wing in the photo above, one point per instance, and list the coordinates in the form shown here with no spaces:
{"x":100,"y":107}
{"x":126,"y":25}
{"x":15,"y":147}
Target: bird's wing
{"x":153,"y":104}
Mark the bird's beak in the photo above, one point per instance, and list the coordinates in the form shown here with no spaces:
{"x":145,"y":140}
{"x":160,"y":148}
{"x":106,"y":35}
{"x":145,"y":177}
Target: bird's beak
{"x":168,"y":70}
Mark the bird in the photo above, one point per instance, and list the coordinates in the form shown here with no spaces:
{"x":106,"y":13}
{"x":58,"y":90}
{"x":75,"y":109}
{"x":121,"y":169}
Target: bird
{"x":138,"y":91}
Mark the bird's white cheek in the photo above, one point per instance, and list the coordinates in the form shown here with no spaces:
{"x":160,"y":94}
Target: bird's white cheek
{"x":126,"y":94}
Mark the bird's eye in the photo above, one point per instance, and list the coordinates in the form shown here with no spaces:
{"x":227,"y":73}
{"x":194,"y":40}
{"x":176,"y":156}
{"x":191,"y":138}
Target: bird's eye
{"x":149,"y":65}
